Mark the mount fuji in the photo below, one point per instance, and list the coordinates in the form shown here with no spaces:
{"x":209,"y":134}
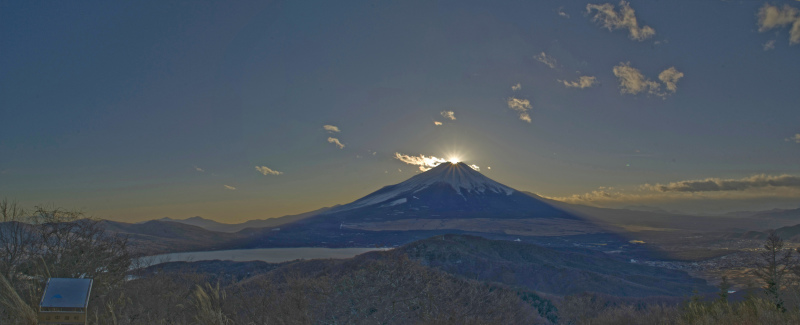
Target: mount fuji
{"x":449,"y":198}
{"x":446,"y":191}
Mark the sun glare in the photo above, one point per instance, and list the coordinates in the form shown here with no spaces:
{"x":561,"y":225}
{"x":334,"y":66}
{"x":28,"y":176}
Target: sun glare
{"x":454,"y":160}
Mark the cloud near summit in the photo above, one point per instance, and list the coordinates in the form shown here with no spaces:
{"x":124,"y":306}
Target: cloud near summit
{"x":424,"y":162}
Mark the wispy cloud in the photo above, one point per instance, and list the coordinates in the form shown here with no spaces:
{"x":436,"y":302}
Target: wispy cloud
{"x":711,"y":194}
{"x":562,"y":13}
{"x":437,"y":123}
{"x":228,"y":187}
{"x":448,"y":115}
{"x":670,"y":78}
{"x":632,"y":81}
{"x":475,"y":167}
{"x":625,"y":18}
{"x":770,"y":17}
{"x":516,"y":87}
{"x":336,"y":142}
{"x":331,"y":128}
{"x":547,"y":60}
{"x":424,"y":162}
{"x":582,"y":82}
{"x":795,"y":138}
{"x":522,"y":106}
{"x":717,"y":184}
{"x":198,"y":169}
{"x":769,"y":45}
{"x":267,"y":171}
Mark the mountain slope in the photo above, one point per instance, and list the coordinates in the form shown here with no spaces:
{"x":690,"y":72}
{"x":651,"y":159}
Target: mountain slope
{"x":555,"y":271}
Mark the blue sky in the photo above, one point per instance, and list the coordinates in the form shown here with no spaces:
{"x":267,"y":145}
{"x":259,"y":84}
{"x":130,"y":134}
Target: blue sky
{"x":134,"y":111}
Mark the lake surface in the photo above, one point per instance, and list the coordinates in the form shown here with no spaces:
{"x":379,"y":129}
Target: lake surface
{"x":271,"y":255}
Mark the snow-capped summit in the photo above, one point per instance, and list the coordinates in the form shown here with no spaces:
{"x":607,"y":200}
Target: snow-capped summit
{"x":459,"y":177}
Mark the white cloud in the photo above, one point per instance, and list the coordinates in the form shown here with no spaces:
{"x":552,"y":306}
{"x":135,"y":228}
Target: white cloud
{"x":336,"y":142}
{"x":795,"y":138}
{"x":522,"y":106}
{"x":519,"y":104}
{"x":582,"y":82}
{"x":562,"y":13}
{"x":769,"y":45}
{"x":625,"y":18}
{"x":449,"y":114}
{"x":547,"y":60}
{"x":198,"y":169}
{"x":331,"y":128}
{"x":437,"y":123}
{"x":228,"y":187}
{"x":424,"y":162}
{"x":267,"y":171}
{"x":770,"y":17}
{"x":516,"y":87}
{"x":670,"y":78}
{"x":525,"y":117}
{"x":632,"y":81}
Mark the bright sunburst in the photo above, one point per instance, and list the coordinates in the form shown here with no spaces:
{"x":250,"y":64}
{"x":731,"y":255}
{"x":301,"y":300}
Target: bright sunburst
{"x":454,"y":160}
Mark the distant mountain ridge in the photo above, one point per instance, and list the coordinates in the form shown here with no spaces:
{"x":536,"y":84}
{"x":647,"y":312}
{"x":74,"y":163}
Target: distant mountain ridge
{"x":154,"y":237}
{"x":236,"y":227}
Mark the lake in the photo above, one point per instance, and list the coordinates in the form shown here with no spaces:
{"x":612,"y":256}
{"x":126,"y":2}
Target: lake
{"x":270,"y":255}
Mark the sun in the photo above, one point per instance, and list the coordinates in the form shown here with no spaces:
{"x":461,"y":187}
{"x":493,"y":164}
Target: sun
{"x":454,"y":160}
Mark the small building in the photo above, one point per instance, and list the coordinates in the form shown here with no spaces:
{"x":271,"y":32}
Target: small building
{"x":65,"y":301}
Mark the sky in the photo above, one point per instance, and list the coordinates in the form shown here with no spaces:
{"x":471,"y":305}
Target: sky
{"x":249,"y":110}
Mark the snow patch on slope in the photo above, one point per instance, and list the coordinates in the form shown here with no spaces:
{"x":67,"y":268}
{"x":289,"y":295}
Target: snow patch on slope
{"x":396,"y":202}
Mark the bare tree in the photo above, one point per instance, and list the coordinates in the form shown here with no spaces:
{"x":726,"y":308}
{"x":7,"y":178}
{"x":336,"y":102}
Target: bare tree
{"x":774,"y":268}
{"x":18,"y":239}
{"x":76,"y":247}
